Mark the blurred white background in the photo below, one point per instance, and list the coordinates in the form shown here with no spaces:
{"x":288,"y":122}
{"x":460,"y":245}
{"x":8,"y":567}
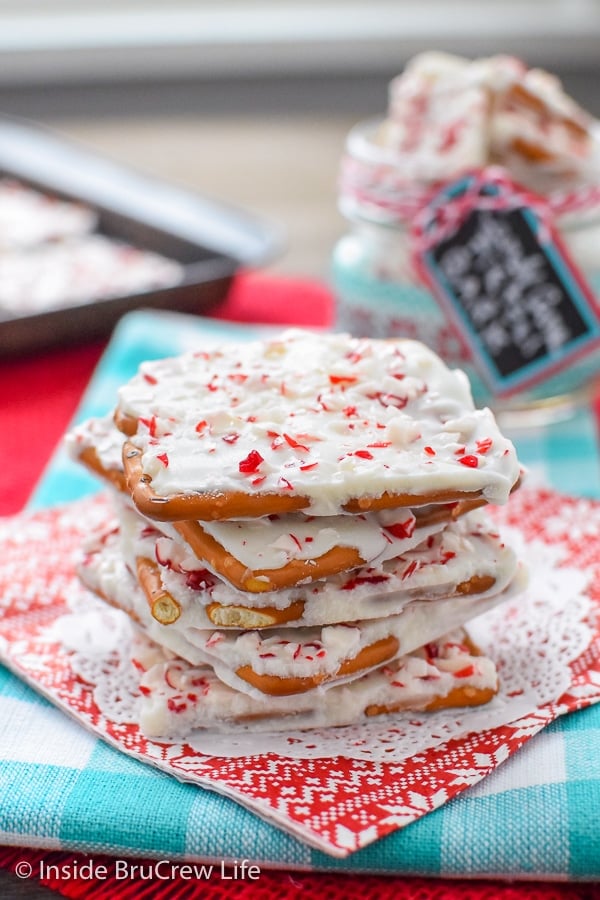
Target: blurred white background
{"x":250,"y":101}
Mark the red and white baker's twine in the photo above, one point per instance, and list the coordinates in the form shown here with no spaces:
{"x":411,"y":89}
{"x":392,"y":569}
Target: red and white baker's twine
{"x":383,"y":191}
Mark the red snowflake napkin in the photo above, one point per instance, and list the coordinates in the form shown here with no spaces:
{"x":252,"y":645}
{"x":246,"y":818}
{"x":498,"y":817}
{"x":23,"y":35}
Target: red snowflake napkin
{"x":337,"y":803}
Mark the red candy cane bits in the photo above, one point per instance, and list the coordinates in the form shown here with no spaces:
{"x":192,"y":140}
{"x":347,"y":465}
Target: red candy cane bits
{"x":250,"y":464}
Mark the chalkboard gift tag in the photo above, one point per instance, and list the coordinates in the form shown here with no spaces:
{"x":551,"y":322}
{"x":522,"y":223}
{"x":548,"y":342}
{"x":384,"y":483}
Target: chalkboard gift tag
{"x":490,"y":253}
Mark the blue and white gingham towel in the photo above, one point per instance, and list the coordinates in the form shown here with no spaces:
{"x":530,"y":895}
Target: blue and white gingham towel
{"x":537,"y":815}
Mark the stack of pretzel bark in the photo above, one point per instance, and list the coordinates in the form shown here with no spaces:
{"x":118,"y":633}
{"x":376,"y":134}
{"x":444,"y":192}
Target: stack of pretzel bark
{"x":300,"y":532}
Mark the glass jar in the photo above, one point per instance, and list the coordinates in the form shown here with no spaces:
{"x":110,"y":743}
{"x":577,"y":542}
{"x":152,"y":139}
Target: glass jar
{"x":379,"y":292}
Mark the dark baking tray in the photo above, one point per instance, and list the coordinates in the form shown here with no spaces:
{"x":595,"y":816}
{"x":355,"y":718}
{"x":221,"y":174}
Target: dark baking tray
{"x":211,"y":240}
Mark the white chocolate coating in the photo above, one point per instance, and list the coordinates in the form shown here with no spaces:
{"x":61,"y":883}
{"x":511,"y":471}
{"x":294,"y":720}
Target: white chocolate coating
{"x":275,"y":541}
{"x":448,"y":114}
{"x":322,"y":416}
{"x":177,"y":698}
{"x":101,"y":435}
{"x":79,"y":270}
{"x":437,"y":119}
{"x":433,"y":567}
{"x":320,"y":652}
{"x":270,"y":542}
{"x":283,"y":652}
{"x":29,"y":218}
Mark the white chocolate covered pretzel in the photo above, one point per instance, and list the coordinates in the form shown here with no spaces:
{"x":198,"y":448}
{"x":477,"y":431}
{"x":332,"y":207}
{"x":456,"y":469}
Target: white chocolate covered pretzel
{"x":466,"y":556}
{"x":283,"y":661}
{"x":322,"y":423}
{"x":274,"y":552}
{"x":178,"y":698}
{"x":448,"y":114}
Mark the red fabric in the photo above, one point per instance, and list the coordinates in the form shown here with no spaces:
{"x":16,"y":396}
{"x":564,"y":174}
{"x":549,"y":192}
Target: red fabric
{"x":38,"y":397}
{"x":260,"y":298}
{"x":269,"y":885}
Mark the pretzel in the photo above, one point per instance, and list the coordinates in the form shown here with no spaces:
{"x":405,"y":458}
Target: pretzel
{"x":252,"y":430}
{"x":104,"y":463}
{"x":236,"y":549}
{"x":363,"y":539}
{"x":369,"y":657}
{"x":164,"y":608}
{"x":97,"y":445}
{"x":458,"y":697}
{"x":296,"y":549}
{"x":447,"y":114}
{"x":465,"y":557}
{"x":296,"y":661}
{"x":283,"y":661}
{"x":178,"y":698}
{"x":257,"y":617}
{"x":535,"y":120}
{"x":89,"y":458}
{"x":461,"y":695}
{"x":216,"y":506}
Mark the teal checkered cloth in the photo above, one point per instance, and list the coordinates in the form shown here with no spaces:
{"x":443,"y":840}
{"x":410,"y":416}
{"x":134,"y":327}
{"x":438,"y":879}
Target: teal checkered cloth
{"x":537,"y":815}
